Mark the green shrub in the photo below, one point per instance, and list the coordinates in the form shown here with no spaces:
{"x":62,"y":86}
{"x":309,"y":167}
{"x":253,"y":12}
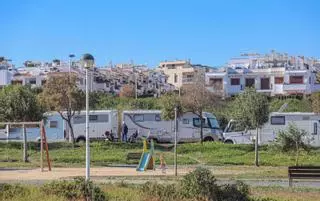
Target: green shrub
{"x":76,"y":189}
{"x":8,"y":191}
{"x":199,"y":183}
{"x":231,"y":192}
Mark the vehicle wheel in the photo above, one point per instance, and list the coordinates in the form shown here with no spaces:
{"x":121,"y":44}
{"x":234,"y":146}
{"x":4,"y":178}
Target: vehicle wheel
{"x":208,"y":139}
{"x":228,"y":142}
{"x":81,"y":140}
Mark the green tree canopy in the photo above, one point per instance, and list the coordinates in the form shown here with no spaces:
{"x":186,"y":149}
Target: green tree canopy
{"x":252,"y":110}
{"x":19,"y":103}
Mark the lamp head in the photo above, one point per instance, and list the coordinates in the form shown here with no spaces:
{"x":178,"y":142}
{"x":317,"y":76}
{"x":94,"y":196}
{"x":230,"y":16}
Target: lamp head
{"x":87,"y":61}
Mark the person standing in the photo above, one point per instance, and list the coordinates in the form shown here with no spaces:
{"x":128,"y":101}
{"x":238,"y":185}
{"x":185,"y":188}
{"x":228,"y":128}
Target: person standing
{"x":124,"y":132}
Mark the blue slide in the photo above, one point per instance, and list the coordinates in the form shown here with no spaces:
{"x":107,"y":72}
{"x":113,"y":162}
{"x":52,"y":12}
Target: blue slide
{"x":144,"y":161}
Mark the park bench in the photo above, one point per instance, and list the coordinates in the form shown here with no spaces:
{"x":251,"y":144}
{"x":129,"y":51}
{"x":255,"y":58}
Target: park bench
{"x":133,"y":156}
{"x":303,"y":172}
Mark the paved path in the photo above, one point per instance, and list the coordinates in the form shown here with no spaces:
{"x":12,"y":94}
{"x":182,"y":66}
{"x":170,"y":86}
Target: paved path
{"x":126,"y":174}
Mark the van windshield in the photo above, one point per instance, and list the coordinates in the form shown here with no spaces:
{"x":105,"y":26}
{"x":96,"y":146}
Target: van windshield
{"x":213,"y":123}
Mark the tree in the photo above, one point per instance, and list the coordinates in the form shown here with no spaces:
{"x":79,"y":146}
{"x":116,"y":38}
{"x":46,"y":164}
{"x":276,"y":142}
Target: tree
{"x":315,"y":98}
{"x":169,"y":102}
{"x":196,"y":97}
{"x":251,"y":109}
{"x":127,"y":91}
{"x":18,"y":103}
{"x":292,"y":139}
{"x":60,"y":93}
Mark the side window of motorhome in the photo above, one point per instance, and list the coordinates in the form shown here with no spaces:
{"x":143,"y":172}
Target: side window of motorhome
{"x":93,"y":117}
{"x":185,"y":121}
{"x":158,"y":117}
{"x":53,"y":124}
{"x":196,"y":123}
{"x":138,"y":118}
{"x":315,"y":128}
{"x":278,"y":120}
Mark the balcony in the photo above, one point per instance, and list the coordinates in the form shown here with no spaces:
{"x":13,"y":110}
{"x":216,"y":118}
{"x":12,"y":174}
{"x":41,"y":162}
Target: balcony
{"x":295,"y":87}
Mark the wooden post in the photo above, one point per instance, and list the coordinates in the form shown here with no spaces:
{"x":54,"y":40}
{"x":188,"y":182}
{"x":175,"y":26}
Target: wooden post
{"x":25,"y":154}
{"x":46,"y":143}
{"x":41,"y":147}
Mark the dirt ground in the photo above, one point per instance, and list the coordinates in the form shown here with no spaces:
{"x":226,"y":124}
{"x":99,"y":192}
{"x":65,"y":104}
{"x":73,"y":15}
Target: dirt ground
{"x":61,"y":173}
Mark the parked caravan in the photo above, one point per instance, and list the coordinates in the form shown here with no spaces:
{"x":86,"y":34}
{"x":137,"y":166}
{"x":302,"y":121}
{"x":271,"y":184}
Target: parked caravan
{"x":100,"y":123}
{"x":54,"y":126}
{"x":148,"y":123}
{"x":235,"y":132}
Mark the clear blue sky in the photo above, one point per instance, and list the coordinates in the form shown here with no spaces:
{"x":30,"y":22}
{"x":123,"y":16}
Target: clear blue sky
{"x":207,"y":32}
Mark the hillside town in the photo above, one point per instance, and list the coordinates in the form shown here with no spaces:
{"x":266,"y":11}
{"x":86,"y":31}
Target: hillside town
{"x":274,"y":73}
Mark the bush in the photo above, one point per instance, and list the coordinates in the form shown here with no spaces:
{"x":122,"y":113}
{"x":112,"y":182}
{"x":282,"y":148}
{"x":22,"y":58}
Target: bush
{"x":199,"y":185}
{"x":8,"y":191}
{"x":76,"y":189}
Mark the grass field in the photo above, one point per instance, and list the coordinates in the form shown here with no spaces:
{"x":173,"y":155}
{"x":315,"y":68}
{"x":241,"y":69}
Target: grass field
{"x":104,"y":153}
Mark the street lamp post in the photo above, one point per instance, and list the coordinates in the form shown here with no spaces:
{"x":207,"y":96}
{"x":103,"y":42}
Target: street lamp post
{"x":70,"y":63}
{"x":175,"y":142}
{"x":88,"y":62}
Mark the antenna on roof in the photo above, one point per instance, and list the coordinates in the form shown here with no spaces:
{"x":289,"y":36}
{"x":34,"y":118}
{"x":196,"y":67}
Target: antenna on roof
{"x":283,"y":107}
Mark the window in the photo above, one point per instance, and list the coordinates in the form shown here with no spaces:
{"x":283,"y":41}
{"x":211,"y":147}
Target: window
{"x":235,"y":81}
{"x":296,"y":79}
{"x":32,"y":81}
{"x":53,"y":124}
{"x":278,"y":120}
{"x":138,"y":117}
{"x":185,"y":121}
{"x":158,"y":117}
{"x":216,"y":83}
{"x":235,"y":127}
{"x":175,"y":78}
{"x":250,"y":82}
{"x":213,"y":123}
{"x":93,"y":117}
{"x":196,"y":123}
{"x":278,"y":80}
{"x":265,"y":83}
{"x":315,"y":128}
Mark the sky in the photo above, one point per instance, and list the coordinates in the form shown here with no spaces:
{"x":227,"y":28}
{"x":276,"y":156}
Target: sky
{"x":208,"y":32}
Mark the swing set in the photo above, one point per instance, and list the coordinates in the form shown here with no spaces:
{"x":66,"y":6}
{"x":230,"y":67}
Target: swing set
{"x":43,"y":140}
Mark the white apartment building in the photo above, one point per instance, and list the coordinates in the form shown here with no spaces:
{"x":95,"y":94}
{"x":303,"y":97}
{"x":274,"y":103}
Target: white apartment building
{"x":274,"y":74}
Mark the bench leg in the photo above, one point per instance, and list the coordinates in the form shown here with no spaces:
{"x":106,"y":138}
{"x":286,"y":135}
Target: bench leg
{"x":290,"y":182}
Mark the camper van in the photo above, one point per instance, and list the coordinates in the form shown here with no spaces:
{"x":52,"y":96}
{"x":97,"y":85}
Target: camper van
{"x":100,"y":122}
{"x":235,"y":133}
{"x":54,"y":126}
{"x":148,"y":123}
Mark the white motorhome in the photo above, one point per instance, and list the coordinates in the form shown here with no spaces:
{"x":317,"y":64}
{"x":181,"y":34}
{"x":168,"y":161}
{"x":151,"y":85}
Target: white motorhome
{"x":235,"y":132}
{"x":100,"y":122}
{"x":148,"y":123}
{"x":54,"y":127}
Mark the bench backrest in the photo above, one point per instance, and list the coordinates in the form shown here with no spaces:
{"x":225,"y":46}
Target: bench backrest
{"x":304,"y":172}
